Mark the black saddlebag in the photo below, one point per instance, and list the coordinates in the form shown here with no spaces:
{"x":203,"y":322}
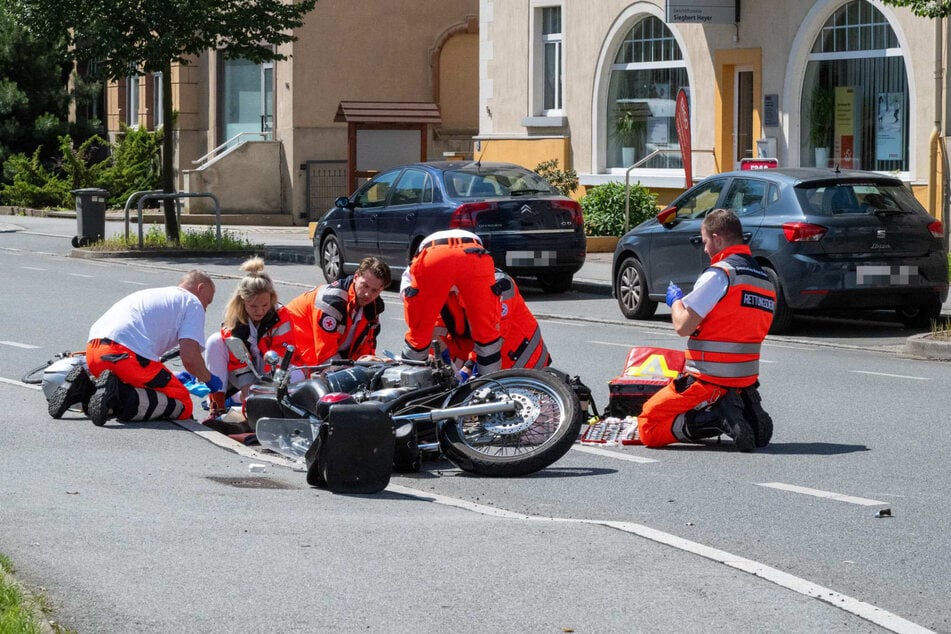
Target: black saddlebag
{"x":353,"y":451}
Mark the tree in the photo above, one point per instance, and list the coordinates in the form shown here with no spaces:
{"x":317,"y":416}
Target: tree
{"x":33,"y":97}
{"x":924,"y":8}
{"x":127,"y":37}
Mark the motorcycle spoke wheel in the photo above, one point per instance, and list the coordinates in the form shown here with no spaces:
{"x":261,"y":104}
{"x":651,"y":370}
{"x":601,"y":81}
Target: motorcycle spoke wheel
{"x":541,"y":430}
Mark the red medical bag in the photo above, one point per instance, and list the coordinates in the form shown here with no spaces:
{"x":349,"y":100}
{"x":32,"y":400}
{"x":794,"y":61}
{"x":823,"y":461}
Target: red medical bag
{"x":646,"y":371}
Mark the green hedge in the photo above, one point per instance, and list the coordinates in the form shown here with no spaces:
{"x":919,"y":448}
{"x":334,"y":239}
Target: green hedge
{"x":603,"y":208}
{"x":133,"y":165}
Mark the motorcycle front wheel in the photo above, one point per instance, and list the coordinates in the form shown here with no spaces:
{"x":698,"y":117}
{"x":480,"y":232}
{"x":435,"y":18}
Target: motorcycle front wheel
{"x":545,"y":424}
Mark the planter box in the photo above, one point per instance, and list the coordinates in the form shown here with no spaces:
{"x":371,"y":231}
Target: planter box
{"x":602,"y":244}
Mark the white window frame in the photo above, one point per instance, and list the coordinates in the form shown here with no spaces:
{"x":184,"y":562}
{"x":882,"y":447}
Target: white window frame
{"x":132,"y":101}
{"x":861,"y":53}
{"x":157,"y":93}
{"x":539,"y":69}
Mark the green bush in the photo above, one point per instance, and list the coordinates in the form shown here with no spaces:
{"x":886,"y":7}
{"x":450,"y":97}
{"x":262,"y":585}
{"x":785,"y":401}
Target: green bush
{"x":133,"y":166}
{"x":603,"y":208}
{"x":564,"y":181}
{"x":30,"y":184}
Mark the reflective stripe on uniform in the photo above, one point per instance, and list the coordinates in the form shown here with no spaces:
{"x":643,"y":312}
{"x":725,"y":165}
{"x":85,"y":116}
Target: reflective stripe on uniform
{"x":729,"y":370}
{"x":731,"y":347}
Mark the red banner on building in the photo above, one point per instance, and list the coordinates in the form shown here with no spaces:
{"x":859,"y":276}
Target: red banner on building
{"x":682,"y":120}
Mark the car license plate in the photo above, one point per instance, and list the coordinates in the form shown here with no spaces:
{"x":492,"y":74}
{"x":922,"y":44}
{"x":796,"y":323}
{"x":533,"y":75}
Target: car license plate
{"x":530,"y":258}
{"x":885,"y":275}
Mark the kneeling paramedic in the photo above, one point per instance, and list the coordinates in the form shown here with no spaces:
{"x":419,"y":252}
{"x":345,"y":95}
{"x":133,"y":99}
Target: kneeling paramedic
{"x":126,"y":345}
{"x":726,"y":317}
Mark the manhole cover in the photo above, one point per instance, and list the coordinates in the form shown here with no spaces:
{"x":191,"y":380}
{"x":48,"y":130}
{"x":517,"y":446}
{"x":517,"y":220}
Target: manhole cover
{"x":251,"y":482}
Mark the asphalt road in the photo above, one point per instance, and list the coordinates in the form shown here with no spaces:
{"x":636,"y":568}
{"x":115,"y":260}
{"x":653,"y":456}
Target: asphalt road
{"x":153,"y":528}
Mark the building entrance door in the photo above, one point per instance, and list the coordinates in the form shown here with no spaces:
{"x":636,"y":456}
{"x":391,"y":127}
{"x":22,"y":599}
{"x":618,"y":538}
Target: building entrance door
{"x":743,"y":116}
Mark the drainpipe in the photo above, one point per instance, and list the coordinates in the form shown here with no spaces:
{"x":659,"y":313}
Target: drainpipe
{"x":946,"y":177}
{"x":935,"y":139}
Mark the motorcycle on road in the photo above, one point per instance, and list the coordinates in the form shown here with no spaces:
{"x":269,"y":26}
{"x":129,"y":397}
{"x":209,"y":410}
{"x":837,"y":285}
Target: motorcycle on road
{"x":504,"y":424}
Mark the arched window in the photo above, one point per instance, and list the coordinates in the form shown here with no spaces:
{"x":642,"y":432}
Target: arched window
{"x":646,"y":76}
{"x":855,"y":94}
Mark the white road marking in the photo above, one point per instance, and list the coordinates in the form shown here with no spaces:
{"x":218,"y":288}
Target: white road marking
{"x":611,"y":454}
{"x":611,"y":343}
{"x":867,"y":611}
{"x":18,"y":345}
{"x":892,"y":376}
{"x":830,"y":495}
{"x":20,"y":384}
{"x":135,"y":283}
{"x":32,"y":268}
{"x":81,"y":275}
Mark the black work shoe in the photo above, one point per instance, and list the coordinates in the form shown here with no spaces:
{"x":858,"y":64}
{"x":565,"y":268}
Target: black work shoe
{"x":76,"y":389}
{"x":103,"y":402}
{"x":734,"y":423}
{"x":753,"y":411}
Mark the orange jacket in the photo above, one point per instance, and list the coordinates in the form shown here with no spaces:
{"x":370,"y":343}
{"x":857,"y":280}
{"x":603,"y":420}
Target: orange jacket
{"x":522,"y":343}
{"x":274,"y":333}
{"x":725,"y":348}
{"x":328,"y":324}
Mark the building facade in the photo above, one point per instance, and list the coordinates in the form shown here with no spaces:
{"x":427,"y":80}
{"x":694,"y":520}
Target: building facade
{"x":263,"y":137}
{"x":853,"y":83}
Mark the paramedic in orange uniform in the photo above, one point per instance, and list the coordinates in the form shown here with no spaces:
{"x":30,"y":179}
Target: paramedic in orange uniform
{"x":447,"y":261}
{"x":522,"y":343}
{"x":340,"y":320}
{"x":726,"y":317}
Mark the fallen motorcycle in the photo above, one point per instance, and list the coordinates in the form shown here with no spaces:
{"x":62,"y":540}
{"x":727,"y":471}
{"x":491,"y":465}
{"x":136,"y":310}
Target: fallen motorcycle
{"x":391,"y":412}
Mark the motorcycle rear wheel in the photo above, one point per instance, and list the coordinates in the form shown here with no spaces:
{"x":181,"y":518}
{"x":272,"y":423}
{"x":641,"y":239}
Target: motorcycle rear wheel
{"x":542,"y":430}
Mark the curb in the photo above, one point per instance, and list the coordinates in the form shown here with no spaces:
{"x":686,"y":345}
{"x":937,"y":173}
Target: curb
{"x":926,"y":346}
{"x":155,"y":253}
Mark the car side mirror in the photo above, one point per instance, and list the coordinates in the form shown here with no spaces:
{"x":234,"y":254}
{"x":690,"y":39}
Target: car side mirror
{"x":343,"y":202}
{"x":667,"y":216}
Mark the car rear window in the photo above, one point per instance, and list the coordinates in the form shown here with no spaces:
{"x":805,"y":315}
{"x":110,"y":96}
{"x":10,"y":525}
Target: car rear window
{"x":833,"y":199}
{"x":495,"y":182}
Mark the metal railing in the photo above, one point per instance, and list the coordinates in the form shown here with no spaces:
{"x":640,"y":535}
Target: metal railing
{"x":229,"y":145}
{"x":158,"y":194}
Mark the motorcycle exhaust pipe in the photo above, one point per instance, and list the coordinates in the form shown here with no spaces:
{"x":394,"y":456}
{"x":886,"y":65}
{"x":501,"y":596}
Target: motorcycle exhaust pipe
{"x":465,"y":410}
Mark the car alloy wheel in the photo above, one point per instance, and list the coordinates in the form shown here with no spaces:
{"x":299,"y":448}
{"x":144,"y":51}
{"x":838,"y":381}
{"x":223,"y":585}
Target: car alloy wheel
{"x":630,"y":287}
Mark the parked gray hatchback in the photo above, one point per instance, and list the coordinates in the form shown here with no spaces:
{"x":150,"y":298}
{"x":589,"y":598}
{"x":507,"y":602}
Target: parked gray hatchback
{"x":828,"y":239}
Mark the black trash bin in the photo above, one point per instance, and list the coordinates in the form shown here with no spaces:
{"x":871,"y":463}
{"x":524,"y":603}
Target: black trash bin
{"x":90,"y":215}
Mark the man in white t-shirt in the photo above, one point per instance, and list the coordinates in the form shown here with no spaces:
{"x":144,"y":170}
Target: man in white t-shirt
{"x":126,"y":345}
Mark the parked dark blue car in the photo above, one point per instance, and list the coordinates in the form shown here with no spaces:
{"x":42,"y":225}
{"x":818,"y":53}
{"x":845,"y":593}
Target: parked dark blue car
{"x":828,"y":239}
{"x":527,"y":225}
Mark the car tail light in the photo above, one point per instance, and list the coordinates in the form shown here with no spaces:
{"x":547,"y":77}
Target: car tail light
{"x":803,"y":231}
{"x":572,"y":206}
{"x":464,"y":216}
{"x":937,"y":229}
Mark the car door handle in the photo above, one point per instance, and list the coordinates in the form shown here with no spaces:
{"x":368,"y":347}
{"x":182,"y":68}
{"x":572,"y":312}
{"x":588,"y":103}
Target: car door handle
{"x":411,"y":216}
{"x":695,"y":240}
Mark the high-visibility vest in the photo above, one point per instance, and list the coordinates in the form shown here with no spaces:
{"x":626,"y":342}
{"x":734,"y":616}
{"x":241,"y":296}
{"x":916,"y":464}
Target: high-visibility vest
{"x":725,"y":348}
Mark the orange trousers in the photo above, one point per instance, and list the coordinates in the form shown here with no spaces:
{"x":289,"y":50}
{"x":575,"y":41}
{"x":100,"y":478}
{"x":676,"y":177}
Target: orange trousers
{"x":656,"y":422}
{"x":435,"y":270}
{"x":136,"y":371}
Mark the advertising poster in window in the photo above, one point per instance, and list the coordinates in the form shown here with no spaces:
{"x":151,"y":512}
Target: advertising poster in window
{"x":845,"y":126}
{"x":889,"y":117}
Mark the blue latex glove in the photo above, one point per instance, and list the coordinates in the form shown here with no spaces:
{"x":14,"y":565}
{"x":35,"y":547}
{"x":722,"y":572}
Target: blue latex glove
{"x":193,"y":385}
{"x":467,"y":371}
{"x":673,"y":294}
{"x":214,"y":384}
